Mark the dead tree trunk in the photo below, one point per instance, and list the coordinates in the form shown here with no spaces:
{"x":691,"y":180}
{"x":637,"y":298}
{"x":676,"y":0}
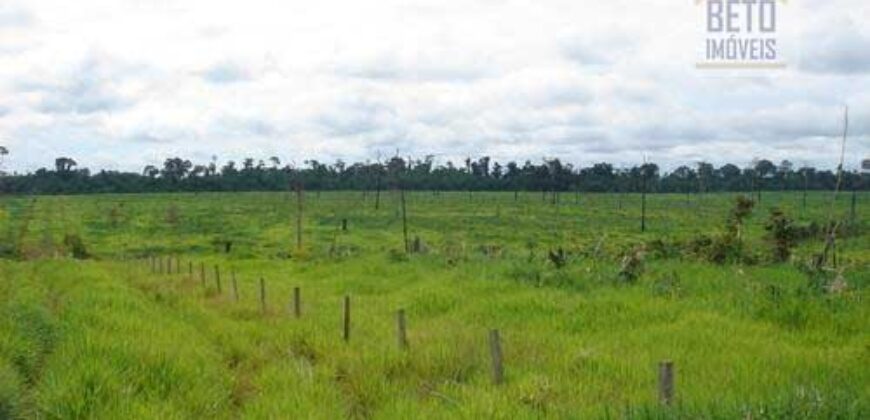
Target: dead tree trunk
{"x":378,"y":192}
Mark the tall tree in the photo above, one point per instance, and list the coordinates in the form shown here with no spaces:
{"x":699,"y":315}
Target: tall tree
{"x":175,"y":169}
{"x":3,"y":153}
{"x":64,"y":165}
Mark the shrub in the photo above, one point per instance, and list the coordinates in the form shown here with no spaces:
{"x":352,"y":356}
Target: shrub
{"x":742,"y":209}
{"x":10,"y":391}
{"x":75,"y":246}
{"x":667,"y":286}
{"x":782,"y":233}
{"x":172,"y":216}
{"x":728,"y":246}
{"x":8,"y":250}
{"x":659,"y":249}
{"x":700,"y":245}
{"x":720,"y":249}
{"x":526,"y":273}
{"x":632,"y":265}
{"x":724,"y":249}
{"x":397,"y":256}
{"x":417,"y":246}
{"x":558,"y":258}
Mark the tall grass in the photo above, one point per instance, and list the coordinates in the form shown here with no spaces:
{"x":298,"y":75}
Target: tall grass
{"x":106,"y":338}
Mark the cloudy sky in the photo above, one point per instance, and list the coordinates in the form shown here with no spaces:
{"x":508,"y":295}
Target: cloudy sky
{"x":119,"y":84}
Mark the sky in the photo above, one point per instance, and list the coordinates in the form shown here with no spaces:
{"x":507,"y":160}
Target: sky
{"x":120,"y":84}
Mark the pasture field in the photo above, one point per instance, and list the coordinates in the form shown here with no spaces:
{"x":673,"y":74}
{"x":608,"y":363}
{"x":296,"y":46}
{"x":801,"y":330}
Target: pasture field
{"x":93,"y":324}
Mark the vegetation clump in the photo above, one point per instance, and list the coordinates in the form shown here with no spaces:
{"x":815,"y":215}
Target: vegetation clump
{"x":172,"y":216}
{"x":579,"y":296}
{"x":783,"y":234}
{"x":632,"y":265}
{"x":728,"y":247}
{"x":742,"y":209}
{"x":76,"y":246}
{"x":669,"y":285}
{"x":665,"y":249}
{"x":558,"y":257}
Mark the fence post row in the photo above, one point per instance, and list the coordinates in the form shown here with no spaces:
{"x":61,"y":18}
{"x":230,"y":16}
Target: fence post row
{"x":665,"y":369}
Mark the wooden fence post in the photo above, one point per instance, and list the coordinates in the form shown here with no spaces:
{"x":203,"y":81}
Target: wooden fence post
{"x":263,"y":294}
{"x":404,"y":220}
{"x":160,"y":265}
{"x":217,"y":278}
{"x":177,"y":265}
{"x":666,"y":382}
{"x":235,"y":286}
{"x":346,"y":318}
{"x":190,"y":269}
{"x":297,"y":302}
{"x":202,"y":274}
{"x":497,"y":362}
{"x":401,"y":331}
{"x":643,"y":208}
{"x":299,"y":210}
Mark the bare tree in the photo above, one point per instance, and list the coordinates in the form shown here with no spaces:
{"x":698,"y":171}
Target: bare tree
{"x":831,"y":240}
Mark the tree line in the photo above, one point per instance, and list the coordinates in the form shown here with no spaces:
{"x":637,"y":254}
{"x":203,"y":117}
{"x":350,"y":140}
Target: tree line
{"x":483,"y":174}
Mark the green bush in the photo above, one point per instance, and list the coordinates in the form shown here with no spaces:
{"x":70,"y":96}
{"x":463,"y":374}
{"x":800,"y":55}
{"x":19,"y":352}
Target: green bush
{"x":75,"y":246}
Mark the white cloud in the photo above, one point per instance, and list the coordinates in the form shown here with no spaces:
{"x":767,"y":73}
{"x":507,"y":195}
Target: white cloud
{"x":839,"y":48}
{"x":13,"y":16}
{"x":120,"y":84}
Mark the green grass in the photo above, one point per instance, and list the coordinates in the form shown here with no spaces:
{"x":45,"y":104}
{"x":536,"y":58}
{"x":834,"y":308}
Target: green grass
{"x":107,"y":338}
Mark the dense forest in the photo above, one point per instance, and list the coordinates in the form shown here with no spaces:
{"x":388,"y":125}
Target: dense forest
{"x":177,"y":174}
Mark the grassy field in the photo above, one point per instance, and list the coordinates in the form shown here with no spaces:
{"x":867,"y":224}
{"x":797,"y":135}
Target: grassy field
{"x":113,"y":336}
